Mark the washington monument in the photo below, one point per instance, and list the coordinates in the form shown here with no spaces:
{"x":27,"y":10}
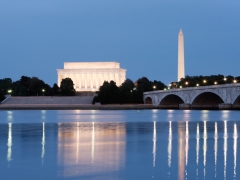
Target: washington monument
{"x":181,"y":73}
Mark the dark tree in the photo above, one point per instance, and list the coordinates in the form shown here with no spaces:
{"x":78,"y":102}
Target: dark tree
{"x":1,"y":96}
{"x":144,"y":85}
{"x":36,"y":87}
{"x":126,"y":91}
{"x":67,"y":87}
{"x":191,"y":81}
{"x":5,"y":85}
{"x":108,"y":93}
{"x":158,"y":85}
{"x":55,"y":89}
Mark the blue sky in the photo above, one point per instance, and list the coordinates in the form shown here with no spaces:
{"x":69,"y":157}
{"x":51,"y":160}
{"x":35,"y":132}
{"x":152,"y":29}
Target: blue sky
{"x":37,"y":36}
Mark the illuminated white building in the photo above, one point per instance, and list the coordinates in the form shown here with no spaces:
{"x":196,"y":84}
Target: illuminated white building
{"x":89,"y":76}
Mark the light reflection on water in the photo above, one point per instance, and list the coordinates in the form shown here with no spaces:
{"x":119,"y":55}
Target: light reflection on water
{"x":86,"y":149}
{"x":151,"y":147}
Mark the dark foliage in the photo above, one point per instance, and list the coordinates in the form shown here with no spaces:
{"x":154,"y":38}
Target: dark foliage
{"x":27,"y":86}
{"x":55,"y":89}
{"x":108,"y":93}
{"x":192,"y":81}
{"x":5,"y":85}
{"x":1,"y":97}
{"x":128,"y":92}
{"x":67,"y":87}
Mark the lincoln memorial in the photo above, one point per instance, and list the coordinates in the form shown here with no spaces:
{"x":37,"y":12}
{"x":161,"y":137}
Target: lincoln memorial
{"x":89,"y":76}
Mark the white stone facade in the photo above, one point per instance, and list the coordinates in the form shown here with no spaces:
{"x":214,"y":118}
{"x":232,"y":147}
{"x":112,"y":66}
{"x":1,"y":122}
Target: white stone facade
{"x":89,"y":76}
{"x":181,"y":71}
{"x":227,"y":92}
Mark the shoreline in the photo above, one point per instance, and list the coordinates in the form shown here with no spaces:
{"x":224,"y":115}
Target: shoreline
{"x":75,"y":107}
{"x":94,"y":107}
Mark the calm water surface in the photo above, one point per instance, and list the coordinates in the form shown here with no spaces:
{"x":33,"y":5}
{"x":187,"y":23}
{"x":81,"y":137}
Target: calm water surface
{"x":90,"y":144}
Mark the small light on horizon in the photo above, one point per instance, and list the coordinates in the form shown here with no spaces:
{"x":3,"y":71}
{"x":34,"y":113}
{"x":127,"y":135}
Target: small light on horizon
{"x":215,"y":82}
{"x":197,"y":84}
{"x":234,"y":81}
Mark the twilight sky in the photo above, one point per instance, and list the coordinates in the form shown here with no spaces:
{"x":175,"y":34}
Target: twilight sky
{"x":37,"y":36}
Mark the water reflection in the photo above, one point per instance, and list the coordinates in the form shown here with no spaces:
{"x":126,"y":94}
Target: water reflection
{"x":129,"y":150}
{"x":93,"y":142}
{"x":235,"y":137}
{"x":215,"y":147}
{"x":9,"y":142}
{"x":204,"y":147}
{"x":154,"y":143}
{"x":43,"y":141}
{"x":225,"y":137}
{"x":181,"y":150}
{"x":99,"y":147}
{"x":197,"y":147}
{"x":9,"y":115}
{"x":170,"y":144}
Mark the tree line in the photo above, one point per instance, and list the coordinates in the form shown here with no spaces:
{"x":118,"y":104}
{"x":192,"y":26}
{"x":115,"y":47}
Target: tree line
{"x":193,"y":81}
{"x":33,"y":86}
{"x":128,"y":92}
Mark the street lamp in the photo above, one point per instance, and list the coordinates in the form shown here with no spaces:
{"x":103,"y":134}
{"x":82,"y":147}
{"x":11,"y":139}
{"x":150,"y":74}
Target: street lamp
{"x":154,"y":87}
{"x":43,"y":90}
{"x":9,"y":91}
{"x":225,"y":79}
{"x":204,"y":81}
{"x":234,"y":81}
{"x":186,"y":83}
{"x":197,"y":84}
{"x":215,"y":82}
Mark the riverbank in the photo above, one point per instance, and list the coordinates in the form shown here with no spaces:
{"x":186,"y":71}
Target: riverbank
{"x":75,"y":107}
{"x":95,"y":107}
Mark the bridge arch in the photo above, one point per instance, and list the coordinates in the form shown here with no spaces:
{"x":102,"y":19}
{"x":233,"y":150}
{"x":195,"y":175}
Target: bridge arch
{"x":237,"y":101}
{"x":207,"y":100}
{"x":148,"y":100}
{"x":195,"y":95}
{"x":171,"y":100}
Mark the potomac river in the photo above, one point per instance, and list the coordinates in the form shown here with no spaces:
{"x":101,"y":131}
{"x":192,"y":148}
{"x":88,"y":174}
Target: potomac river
{"x":119,"y":144}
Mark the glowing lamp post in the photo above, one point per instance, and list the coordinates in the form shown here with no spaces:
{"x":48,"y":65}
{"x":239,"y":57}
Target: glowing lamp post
{"x":204,"y":81}
{"x":225,"y":79}
{"x":154,"y":87}
{"x":9,"y":91}
{"x":186,"y":83}
{"x":169,"y":86}
{"x":215,"y":82}
{"x":234,"y":81}
{"x":197,"y":85}
{"x":43,"y":90}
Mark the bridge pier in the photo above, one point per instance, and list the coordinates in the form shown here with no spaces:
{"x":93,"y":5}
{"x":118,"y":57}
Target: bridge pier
{"x":185,"y":106}
{"x":225,"y":106}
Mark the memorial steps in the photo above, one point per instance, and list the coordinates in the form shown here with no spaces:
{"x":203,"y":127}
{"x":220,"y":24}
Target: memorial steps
{"x":48,"y":100}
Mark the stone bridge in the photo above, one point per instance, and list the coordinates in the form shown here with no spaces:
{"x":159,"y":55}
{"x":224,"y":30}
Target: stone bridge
{"x":225,"y":96}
